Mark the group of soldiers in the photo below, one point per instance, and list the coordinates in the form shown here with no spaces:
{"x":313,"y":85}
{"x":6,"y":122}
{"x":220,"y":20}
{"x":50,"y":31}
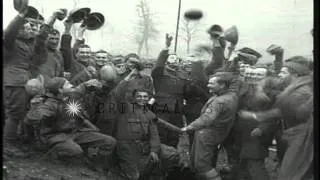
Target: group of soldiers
{"x":104,"y":109}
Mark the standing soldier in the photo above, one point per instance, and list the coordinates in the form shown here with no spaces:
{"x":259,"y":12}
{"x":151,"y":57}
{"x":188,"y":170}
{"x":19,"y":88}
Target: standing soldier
{"x":219,"y":46}
{"x":213,"y":125}
{"x":168,"y":95}
{"x":51,"y":63}
{"x":20,"y":44}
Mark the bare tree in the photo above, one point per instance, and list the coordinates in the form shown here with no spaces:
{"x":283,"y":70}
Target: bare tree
{"x":189,"y":30}
{"x":146,"y":27}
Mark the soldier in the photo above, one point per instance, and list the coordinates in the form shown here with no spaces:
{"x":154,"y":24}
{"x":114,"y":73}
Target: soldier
{"x":168,"y":97}
{"x":219,"y":46}
{"x":133,"y":78}
{"x":253,"y":143}
{"x":102,"y":58}
{"x":286,"y":110}
{"x":79,"y":61}
{"x":213,"y":125}
{"x":64,"y":126}
{"x":52,"y":62}
{"x":139,"y":151}
{"x":20,"y":44}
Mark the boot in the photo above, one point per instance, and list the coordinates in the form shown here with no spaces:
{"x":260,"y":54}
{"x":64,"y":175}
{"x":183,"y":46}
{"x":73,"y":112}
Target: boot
{"x":212,"y":175}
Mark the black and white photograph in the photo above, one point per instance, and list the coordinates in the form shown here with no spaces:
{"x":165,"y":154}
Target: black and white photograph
{"x":158,"y":90}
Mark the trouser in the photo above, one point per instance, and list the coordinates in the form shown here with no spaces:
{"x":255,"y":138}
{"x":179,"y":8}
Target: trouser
{"x":252,"y":169}
{"x":204,"y":153}
{"x":281,"y":145}
{"x":16,"y":101}
{"x":167,"y":136}
{"x":232,"y":145}
{"x":132,"y":163}
{"x":93,"y":144}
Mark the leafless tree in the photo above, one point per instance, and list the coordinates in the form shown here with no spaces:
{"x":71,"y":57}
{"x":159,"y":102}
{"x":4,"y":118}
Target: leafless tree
{"x":189,"y":30}
{"x":146,"y":27}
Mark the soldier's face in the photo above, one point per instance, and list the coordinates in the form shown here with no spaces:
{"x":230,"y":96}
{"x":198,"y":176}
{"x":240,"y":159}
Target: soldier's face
{"x":142,"y":98}
{"x":248,"y":74}
{"x":284,"y":73}
{"x":29,"y":29}
{"x":84,"y":54}
{"x":259,"y":74}
{"x":213,"y":86}
{"x":132,"y":63}
{"x":53,"y":40}
{"x":120,"y":68}
{"x":101,"y":59}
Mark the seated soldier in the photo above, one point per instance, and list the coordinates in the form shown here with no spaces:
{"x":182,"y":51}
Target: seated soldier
{"x":64,"y":127}
{"x":139,"y":151}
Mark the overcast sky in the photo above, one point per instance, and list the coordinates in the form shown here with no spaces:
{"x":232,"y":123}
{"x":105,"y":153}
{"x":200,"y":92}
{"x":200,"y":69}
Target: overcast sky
{"x":260,"y":23}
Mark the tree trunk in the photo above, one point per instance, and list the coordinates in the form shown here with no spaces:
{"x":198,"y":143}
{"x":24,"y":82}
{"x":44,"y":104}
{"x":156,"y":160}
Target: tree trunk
{"x":140,"y":46}
{"x":188,"y":46}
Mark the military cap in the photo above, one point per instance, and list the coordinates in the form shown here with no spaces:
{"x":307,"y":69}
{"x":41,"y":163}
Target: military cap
{"x":215,"y":29}
{"x":250,"y":51}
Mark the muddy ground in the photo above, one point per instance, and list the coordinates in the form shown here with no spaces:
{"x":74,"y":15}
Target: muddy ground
{"x":37,"y":167}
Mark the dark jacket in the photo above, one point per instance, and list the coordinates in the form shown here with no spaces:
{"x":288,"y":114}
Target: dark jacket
{"x":138,"y":124}
{"x":19,"y":55}
{"x":168,"y":86}
{"x":52,"y":67}
{"x":293,"y":96}
{"x":125,"y":88}
{"x":55,"y":117}
{"x":72,"y":65}
{"x":254,"y":147}
{"x":218,"y":114}
{"x":217,"y":60}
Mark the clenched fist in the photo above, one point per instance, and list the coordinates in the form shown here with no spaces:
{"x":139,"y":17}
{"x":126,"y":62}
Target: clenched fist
{"x":168,"y":40}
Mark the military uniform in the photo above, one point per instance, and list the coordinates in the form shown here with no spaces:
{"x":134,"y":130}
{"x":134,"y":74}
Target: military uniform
{"x":53,"y":65}
{"x":168,"y":87}
{"x":137,"y":136}
{"x":18,"y":58}
{"x":66,"y":134}
{"x":212,"y":127}
{"x":253,"y":150}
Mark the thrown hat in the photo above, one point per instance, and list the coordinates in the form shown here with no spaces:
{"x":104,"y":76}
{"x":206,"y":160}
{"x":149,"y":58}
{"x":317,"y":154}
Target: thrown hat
{"x":298,"y":64}
{"x":215,"y":29}
{"x":250,"y":51}
{"x":248,"y":58}
{"x":32,"y":13}
{"x":55,"y":84}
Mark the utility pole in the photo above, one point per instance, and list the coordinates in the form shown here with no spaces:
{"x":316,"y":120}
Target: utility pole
{"x":177,"y":28}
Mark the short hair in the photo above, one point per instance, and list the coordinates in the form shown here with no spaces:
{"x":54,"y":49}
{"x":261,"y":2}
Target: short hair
{"x":54,"y":31}
{"x":134,"y":92}
{"x":131,"y":55}
{"x":101,"y":51}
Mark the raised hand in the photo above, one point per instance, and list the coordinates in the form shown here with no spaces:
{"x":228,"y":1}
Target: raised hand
{"x":168,"y":40}
{"x":274,"y":49}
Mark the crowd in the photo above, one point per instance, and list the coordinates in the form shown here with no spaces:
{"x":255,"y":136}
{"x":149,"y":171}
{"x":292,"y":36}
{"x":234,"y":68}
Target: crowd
{"x":80,"y":105}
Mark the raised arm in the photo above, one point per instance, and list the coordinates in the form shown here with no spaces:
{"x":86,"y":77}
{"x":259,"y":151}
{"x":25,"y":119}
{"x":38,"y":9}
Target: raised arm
{"x":158,"y":70}
{"x":11,"y":32}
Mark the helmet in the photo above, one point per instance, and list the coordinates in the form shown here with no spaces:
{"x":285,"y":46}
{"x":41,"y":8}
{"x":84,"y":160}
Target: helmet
{"x":34,"y":86}
{"x":108,"y":73}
